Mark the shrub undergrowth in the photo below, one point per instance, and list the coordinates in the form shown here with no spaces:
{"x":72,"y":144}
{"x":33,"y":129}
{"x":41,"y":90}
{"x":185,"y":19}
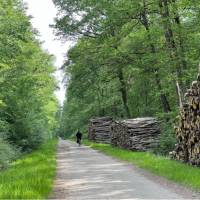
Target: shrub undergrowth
{"x":32,"y":176}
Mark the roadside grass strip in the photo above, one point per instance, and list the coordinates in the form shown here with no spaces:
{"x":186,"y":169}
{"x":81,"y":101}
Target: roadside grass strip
{"x":172,"y":170}
{"x":30,"y":177}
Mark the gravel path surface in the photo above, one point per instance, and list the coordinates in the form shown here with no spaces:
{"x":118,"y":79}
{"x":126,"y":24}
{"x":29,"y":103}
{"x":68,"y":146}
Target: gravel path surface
{"x":83,"y":173}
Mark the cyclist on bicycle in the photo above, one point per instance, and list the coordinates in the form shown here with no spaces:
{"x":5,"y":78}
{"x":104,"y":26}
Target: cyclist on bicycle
{"x":78,"y":137}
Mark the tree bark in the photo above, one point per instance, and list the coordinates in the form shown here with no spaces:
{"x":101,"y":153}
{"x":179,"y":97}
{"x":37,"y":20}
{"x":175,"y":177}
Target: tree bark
{"x":179,"y":95}
{"x":172,"y":47}
{"x":123,"y":91}
{"x":163,"y":97}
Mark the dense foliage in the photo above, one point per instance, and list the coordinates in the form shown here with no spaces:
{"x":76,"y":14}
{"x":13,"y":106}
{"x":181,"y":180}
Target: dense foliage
{"x":27,"y":101}
{"x":133,"y":58}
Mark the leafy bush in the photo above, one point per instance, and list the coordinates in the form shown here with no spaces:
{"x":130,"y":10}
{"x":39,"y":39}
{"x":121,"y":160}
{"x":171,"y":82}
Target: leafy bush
{"x":7,"y":154}
{"x":32,"y":176}
{"x":167,"y":138}
{"x":31,"y":142}
{"x":167,"y":142}
{"x":4,"y":129}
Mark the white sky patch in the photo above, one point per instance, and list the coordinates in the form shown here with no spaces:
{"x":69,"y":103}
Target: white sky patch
{"x":43,"y":13}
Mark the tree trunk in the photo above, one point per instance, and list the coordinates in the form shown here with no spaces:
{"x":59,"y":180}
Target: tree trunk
{"x":179,"y":95}
{"x":182,"y":51}
{"x":123,"y":91}
{"x":163,"y":97}
{"x":171,"y":44}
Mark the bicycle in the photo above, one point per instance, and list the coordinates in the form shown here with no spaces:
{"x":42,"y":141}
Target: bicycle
{"x":79,"y":142}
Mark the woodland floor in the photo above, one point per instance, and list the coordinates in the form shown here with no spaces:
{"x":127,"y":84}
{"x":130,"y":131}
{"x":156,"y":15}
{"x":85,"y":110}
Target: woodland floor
{"x":84,"y":173}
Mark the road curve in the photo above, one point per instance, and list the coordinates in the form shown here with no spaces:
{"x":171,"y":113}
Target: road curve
{"x":84,"y":174}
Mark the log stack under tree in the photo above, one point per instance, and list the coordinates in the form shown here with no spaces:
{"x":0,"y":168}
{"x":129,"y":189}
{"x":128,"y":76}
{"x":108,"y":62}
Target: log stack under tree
{"x":188,"y":128}
{"x":100,"y":130}
{"x":140,"y":134}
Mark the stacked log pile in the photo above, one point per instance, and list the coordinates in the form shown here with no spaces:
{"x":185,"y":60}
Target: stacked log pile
{"x":188,"y":130}
{"x":141,"y":134}
{"x":100,"y":130}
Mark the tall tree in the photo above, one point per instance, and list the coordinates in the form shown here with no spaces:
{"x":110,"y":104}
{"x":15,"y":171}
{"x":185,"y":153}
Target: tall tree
{"x":138,"y":56}
{"x":28,"y":104}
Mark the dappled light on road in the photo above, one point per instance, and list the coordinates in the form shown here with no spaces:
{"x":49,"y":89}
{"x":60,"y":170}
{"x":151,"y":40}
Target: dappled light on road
{"x":84,"y":173}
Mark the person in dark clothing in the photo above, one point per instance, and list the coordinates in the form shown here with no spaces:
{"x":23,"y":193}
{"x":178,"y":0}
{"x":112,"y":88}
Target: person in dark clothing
{"x":79,"y":137}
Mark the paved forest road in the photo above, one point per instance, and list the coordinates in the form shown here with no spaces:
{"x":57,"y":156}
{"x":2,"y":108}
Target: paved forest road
{"x":83,"y":173}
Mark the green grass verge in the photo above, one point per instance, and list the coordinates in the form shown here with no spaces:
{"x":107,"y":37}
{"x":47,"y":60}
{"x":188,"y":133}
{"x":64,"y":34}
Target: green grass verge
{"x":32,"y":176}
{"x":162,"y":166}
